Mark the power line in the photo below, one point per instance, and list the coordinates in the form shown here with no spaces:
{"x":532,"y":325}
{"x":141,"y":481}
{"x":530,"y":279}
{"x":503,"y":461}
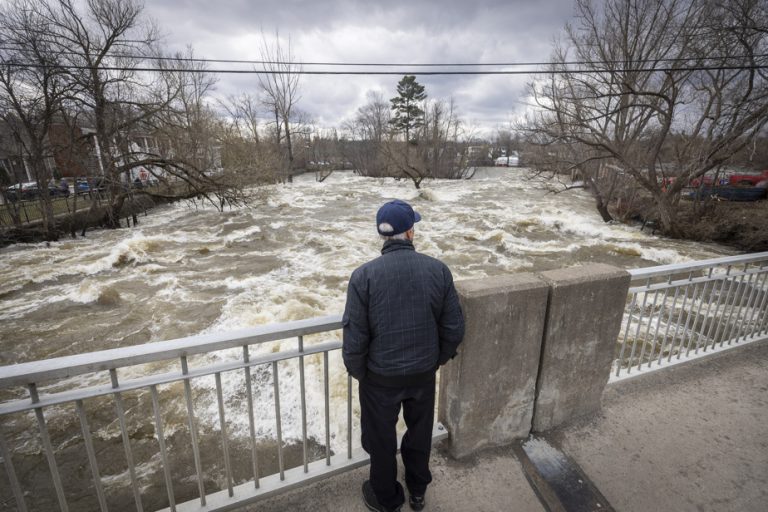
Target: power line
{"x":424,"y":64}
{"x":395,"y":72}
{"x":403,"y":64}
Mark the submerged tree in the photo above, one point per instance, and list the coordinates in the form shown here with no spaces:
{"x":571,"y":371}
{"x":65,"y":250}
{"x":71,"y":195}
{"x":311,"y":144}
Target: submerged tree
{"x":439,"y":152}
{"x":407,"y":118}
{"x":279,"y":82}
{"x":245,"y":153}
{"x":433,"y":145}
{"x":369,"y":130}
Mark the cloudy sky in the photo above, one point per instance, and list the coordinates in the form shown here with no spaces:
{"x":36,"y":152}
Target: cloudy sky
{"x":395,"y":31}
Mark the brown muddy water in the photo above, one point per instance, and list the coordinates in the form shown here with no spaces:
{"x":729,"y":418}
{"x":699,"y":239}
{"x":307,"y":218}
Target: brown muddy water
{"x":186,"y":271}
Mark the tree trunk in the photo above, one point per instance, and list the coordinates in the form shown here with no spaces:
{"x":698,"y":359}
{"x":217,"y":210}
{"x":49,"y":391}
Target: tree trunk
{"x":288,"y":143}
{"x":112,"y":216}
{"x":667,"y":216}
{"x":602,"y":209}
{"x":600,"y":202}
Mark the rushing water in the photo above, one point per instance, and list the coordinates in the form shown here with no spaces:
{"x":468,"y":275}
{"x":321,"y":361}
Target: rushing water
{"x":186,"y":271}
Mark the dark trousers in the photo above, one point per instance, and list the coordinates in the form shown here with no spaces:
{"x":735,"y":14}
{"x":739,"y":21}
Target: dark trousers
{"x":379,"y":408}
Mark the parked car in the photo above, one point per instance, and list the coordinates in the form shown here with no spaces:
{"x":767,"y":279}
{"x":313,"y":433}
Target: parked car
{"x":60,"y":190}
{"x":730,"y":193}
{"x":88,"y":185}
{"x":707,"y":180}
{"x":748,"y":179}
{"x":29,"y":190}
{"x":82,"y":186}
{"x":23,"y":191}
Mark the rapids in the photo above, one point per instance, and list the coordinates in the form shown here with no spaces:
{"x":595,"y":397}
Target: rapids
{"x":185,"y":271}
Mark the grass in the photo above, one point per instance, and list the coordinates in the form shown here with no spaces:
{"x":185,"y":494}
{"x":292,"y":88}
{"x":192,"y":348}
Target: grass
{"x":30,"y":211}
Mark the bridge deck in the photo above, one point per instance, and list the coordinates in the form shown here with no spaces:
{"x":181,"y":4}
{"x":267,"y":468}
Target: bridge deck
{"x":690,"y":438}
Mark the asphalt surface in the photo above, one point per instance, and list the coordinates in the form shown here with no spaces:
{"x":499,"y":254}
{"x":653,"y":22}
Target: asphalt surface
{"x":689,"y":438}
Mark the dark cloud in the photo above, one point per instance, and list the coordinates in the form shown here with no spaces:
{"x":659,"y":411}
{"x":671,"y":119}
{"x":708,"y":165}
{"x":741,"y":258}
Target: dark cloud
{"x":372,"y":31}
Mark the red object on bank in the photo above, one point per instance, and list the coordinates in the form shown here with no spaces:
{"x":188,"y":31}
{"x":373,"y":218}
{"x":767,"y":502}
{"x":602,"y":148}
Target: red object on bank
{"x":751,"y":179}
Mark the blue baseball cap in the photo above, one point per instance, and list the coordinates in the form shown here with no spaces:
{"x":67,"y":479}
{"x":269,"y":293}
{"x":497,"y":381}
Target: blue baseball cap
{"x":395,"y":217}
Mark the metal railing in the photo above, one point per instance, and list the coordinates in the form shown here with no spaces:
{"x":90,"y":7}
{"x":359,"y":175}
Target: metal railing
{"x":53,"y":386}
{"x":29,"y":210}
{"x":683,"y":311}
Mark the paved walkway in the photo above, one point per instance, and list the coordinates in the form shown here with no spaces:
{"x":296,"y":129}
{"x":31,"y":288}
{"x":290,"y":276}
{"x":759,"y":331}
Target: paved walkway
{"x":692,"y":438}
{"x":689,"y":438}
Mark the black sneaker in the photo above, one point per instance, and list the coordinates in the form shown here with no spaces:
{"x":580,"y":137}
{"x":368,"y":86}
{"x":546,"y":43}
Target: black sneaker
{"x":370,"y":500}
{"x":416,"y":502}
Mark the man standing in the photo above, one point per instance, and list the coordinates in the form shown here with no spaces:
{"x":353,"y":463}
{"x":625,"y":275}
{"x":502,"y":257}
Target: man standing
{"x":401,"y":322}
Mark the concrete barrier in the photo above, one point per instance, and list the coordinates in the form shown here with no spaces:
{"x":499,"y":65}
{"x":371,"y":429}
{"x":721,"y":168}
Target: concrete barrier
{"x":537,"y":352}
{"x":487,"y":392}
{"x":586,"y":305}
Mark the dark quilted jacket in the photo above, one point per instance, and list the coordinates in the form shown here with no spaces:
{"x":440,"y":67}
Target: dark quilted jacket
{"x":402,"y":315}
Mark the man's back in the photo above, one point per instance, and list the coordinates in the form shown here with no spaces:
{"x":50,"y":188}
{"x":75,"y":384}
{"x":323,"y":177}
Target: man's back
{"x":403,"y":310}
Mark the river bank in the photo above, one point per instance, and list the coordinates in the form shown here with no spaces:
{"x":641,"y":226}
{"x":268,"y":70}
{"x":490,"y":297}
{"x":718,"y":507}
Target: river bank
{"x":68,"y":225}
{"x":741,"y":225}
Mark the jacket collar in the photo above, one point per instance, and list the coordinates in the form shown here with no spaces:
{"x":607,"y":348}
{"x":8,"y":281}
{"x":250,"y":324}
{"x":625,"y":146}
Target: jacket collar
{"x":397,"y":245}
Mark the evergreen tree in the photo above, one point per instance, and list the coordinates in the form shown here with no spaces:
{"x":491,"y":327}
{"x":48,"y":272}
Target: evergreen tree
{"x":407,"y":113}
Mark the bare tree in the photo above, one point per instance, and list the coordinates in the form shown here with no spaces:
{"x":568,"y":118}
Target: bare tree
{"x":31,"y":92}
{"x":438,"y":152}
{"x":246,"y":153}
{"x":104,"y":41}
{"x":188,"y":134}
{"x":443,"y":130}
{"x":325,"y":153}
{"x":667,"y":90}
{"x":369,"y":130}
{"x":280,"y":84}
{"x":244,"y":113}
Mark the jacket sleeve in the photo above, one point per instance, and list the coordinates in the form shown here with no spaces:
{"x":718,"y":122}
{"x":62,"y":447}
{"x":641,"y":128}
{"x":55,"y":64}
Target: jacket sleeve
{"x":451,"y":321}
{"x":356,"y":330}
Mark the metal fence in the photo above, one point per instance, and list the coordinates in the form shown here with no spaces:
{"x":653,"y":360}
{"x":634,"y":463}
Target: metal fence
{"x":683,"y":311}
{"x":135,"y":406}
{"x":29,"y":210}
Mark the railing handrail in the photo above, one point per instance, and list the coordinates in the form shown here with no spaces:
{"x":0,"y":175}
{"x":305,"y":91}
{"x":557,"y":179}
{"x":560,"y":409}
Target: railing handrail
{"x":72,"y":395}
{"x":662,"y":270}
{"x":103,"y":360}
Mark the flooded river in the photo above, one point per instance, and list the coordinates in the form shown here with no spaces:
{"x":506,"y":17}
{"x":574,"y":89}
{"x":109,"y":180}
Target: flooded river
{"x":186,"y":271}
{"x":287,"y":256}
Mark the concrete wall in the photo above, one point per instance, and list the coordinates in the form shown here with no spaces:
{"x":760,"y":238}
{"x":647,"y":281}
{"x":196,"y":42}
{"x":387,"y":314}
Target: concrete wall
{"x":586,"y":305}
{"x":487,"y":391}
{"x":536,"y":353}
